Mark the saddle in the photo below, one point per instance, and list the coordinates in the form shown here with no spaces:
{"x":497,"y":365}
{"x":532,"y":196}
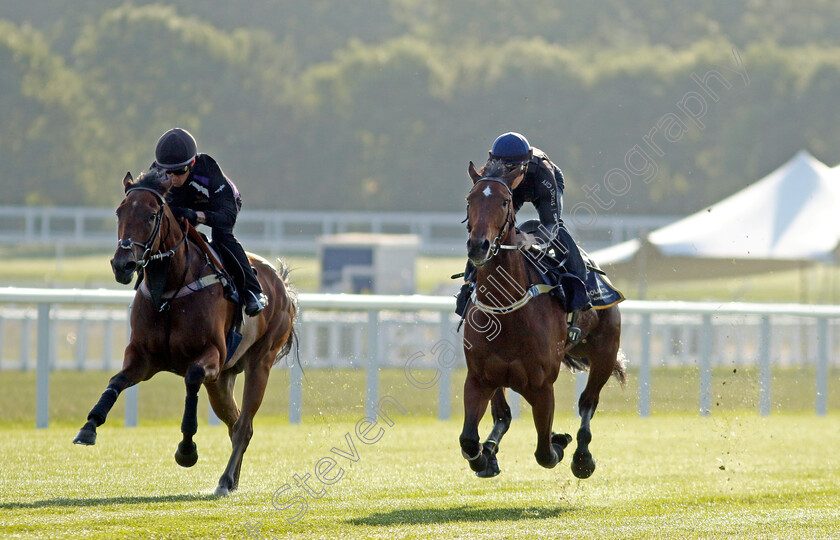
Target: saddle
{"x":568,"y":288}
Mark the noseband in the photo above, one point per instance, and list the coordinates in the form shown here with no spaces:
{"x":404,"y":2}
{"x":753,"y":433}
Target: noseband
{"x":128,"y":243}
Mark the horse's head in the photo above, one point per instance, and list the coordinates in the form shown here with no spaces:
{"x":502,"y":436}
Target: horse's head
{"x":139,"y":218}
{"x":490,"y":214}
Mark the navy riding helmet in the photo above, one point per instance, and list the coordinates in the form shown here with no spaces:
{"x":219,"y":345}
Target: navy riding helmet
{"x":511,"y":147}
{"x":175,"y":149}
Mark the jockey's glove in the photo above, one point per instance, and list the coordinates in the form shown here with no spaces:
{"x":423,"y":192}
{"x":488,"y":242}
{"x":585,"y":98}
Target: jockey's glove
{"x":186,"y":213}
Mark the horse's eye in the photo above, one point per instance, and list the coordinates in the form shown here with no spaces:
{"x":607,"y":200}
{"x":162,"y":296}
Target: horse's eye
{"x":151,"y":219}
{"x":506,"y":203}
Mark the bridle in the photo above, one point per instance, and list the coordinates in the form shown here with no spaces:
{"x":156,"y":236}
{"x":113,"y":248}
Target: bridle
{"x":533,"y":290}
{"x":147,"y":257}
{"x":496,"y":245}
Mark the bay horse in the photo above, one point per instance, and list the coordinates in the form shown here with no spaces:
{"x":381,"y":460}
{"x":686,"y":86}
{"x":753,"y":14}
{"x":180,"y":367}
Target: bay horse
{"x":516,"y":337}
{"x":183,"y":328}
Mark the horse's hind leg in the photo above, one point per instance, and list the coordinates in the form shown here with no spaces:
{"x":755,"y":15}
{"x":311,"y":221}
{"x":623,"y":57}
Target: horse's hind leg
{"x":549,"y":450}
{"x":476,"y":398}
{"x":256,"y":379}
{"x":583,"y":465}
{"x":222,"y":400}
{"x":500,"y":410}
{"x":134,"y":370}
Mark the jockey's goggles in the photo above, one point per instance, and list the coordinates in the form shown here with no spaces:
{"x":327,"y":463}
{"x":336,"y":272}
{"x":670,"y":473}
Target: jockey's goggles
{"x":179,"y":171}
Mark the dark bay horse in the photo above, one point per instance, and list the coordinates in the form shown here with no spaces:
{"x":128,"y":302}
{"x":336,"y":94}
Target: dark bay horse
{"x":515,"y":337}
{"x":183,"y":327}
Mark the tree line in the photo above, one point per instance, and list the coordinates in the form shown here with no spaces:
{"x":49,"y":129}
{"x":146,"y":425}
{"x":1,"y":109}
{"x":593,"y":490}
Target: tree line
{"x":380,"y":105}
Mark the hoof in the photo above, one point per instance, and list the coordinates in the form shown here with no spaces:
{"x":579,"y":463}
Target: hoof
{"x":221,"y":491}
{"x":561,"y":439}
{"x":492,"y":468}
{"x":559,"y":451}
{"x":479,"y":463}
{"x":86,"y":435}
{"x":186,"y":455}
{"x":583,"y":466}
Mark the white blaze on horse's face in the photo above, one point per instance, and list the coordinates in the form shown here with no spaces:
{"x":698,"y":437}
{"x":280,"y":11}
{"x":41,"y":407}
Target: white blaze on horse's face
{"x":487,"y":191}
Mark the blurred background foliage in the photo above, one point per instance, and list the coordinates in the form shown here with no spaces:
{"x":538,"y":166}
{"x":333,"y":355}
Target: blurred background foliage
{"x":380,"y":104}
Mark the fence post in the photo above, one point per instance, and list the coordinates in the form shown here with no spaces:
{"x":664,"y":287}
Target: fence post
{"x":445,"y":382}
{"x":296,"y":378}
{"x":372,"y":392}
{"x":765,"y":375}
{"x":42,"y":384}
{"x":108,"y":339}
{"x":26,"y":337}
{"x":822,"y":367}
{"x":706,"y":339}
{"x":81,"y":342}
{"x":644,"y":368}
{"x":131,"y":394}
{"x":295,"y":393}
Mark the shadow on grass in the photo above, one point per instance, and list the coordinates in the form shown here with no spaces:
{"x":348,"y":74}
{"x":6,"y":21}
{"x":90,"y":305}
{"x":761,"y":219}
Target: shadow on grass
{"x":422,"y":516}
{"x":65,"y":502}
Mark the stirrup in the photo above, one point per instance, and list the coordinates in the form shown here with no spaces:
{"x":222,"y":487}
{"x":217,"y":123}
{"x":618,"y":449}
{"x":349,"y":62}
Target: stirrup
{"x":255,"y":304}
{"x":573,"y":331}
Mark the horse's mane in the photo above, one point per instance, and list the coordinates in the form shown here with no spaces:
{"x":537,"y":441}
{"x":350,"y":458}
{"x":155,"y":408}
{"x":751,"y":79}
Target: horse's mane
{"x":494,"y":168}
{"x":152,"y":179}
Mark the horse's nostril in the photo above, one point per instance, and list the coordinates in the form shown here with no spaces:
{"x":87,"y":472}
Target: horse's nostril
{"x":485,"y":245}
{"x":130,"y":266}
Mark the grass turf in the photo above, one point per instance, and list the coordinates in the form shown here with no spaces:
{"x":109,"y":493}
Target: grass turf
{"x":733,"y":475}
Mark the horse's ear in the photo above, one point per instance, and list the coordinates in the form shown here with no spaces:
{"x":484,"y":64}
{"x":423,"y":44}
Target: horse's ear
{"x":128,"y":180}
{"x":473,"y":172}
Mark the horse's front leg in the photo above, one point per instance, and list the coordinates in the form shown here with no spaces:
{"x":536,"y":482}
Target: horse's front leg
{"x":476,"y":397}
{"x":500,"y":410}
{"x":135,"y":369}
{"x":206,"y":368}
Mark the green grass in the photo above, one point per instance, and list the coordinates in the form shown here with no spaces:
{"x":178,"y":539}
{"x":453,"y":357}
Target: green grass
{"x":673,"y":475}
{"x":733,"y":475}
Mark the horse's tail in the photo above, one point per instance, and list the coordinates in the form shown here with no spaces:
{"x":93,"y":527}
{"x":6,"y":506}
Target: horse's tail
{"x":293,"y":343}
{"x":577,"y":365}
{"x":620,"y":368}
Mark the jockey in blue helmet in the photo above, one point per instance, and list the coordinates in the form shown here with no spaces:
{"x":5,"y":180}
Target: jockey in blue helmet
{"x":202,"y":193}
{"x":541,"y":183}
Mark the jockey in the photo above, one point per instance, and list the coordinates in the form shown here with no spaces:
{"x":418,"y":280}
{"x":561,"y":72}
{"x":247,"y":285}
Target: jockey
{"x":539,"y":182}
{"x":202,"y":193}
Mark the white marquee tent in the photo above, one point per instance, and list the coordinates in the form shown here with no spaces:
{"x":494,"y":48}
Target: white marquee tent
{"x":788,"y":219}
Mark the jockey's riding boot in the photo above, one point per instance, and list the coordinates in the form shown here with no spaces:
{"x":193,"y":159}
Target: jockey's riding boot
{"x":574,"y":262}
{"x":255,"y":302}
{"x":464,"y":294}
